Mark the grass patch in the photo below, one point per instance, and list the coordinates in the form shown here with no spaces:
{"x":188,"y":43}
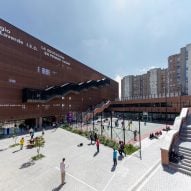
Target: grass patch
{"x":129,"y":149}
{"x":14,"y":145}
{"x":38,"y":157}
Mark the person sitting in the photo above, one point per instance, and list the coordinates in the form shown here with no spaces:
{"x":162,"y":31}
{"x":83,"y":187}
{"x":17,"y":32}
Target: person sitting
{"x":32,"y":141}
{"x":175,"y":157}
{"x":151,"y":136}
{"x":168,"y":128}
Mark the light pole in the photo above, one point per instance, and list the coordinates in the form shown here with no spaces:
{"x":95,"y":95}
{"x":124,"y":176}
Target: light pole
{"x":111,"y":127}
{"x":140,"y":134}
{"x":123,"y":129}
{"x":93,"y":120}
{"x":166,"y":105}
{"x":101,"y":125}
{"x":82,"y":111}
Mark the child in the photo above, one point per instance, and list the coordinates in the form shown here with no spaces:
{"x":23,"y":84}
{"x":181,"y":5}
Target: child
{"x":22,"y":141}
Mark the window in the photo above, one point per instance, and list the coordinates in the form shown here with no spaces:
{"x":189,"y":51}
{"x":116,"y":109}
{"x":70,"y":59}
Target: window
{"x":43,"y":71}
{"x":12,"y":81}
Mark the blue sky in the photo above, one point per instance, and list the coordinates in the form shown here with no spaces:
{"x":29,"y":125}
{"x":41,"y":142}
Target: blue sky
{"x":115,"y":37}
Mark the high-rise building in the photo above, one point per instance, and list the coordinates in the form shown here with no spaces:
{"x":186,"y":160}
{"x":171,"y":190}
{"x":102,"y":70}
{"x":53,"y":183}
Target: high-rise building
{"x":188,"y":70}
{"x":154,"y":81}
{"x":163,"y":83}
{"x":179,"y":72}
{"x":172,"y":81}
{"x":127,"y":87}
{"x":137,"y":87}
{"x":145,"y":85}
{"x":174,"y":74}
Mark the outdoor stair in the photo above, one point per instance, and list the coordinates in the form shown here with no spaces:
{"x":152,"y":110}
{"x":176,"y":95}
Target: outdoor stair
{"x":185,"y":163}
{"x":181,"y":168}
{"x":188,"y":139}
{"x":182,"y":147}
{"x":186,"y":135}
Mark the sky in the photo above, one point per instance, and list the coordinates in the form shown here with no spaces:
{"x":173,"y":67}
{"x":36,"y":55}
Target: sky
{"x":114,"y":37}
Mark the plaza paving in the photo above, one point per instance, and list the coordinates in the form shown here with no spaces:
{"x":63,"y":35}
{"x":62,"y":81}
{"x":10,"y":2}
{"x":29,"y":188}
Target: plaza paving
{"x":86,"y":171}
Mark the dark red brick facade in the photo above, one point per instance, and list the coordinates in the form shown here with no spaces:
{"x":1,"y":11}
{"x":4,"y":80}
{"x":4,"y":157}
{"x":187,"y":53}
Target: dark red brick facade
{"x":26,"y":62}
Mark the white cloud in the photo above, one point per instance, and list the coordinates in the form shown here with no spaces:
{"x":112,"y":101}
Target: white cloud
{"x":145,"y":70}
{"x":118,"y":79}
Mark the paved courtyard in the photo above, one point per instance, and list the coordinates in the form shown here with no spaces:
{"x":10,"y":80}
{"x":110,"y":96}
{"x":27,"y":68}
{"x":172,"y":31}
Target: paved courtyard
{"x":86,"y":171}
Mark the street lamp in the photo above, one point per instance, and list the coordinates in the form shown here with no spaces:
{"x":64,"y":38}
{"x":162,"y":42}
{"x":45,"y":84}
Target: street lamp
{"x":140,"y":134}
{"x":123,"y":129}
{"x":101,"y":125}
{"x":111,"y":127}
{"x":93,"y":120}
{"x":166,"y":105}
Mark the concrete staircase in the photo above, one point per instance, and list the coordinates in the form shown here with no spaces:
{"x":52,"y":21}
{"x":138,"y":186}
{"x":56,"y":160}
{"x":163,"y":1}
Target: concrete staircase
{"x":185,"y":133}
{"x":183,"y":147}
{"x":98,"y":109}
{"x":184,"y":165}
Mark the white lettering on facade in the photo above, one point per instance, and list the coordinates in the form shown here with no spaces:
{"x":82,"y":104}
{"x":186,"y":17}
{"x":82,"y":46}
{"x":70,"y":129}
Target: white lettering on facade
{"x":52,"y":54}
{"x":31,"y":46}
{"x":6,"y":33}
{"x":4,"y":29}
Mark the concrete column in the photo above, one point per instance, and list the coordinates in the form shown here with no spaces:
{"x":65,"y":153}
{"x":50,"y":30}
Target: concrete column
{"x":39,"y":122}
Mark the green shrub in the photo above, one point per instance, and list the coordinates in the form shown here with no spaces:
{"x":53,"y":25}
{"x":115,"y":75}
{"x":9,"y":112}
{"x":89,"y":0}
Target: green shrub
{"x":102,"y":139}
{"x":107,"y":142}
{"x":129,"y":149}
{"x":86,"y":133}
{"x":116,"y":145}
{"x":111,"y":143}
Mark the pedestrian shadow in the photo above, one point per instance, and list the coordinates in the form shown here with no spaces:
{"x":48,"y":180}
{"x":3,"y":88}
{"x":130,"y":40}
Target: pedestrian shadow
{"x":3,"y":149}
{"x":120,"y":157}
{"x":95,"y":154}
{"x":113,"y":168}
{"x":27,"y":164}
{"x":80,"y":145}
{"x":57,"y":188}
{"x":89,"y":144}
{"x":169,"y":170}
{"x":16,"y":151}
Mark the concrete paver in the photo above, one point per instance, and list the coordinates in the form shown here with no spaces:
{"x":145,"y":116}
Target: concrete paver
{"x":86,"y":172}
{"x":167,"y":180}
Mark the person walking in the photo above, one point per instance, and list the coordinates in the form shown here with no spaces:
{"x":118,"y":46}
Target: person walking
{"x":31,"y":131}
{"x":43,"y":132}
{"x":95,"y":136}
{"x":63,"y":172}
{"x":97,"y":145}
{"x":91,"y":137}
{"x":121,"y":148}
{"x":22,"y":141}
{"x":135,"y":135}
{"x":114,"y":157}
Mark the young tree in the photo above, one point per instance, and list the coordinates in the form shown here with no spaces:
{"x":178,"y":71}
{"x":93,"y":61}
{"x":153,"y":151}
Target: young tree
{"x":39,"y":142}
